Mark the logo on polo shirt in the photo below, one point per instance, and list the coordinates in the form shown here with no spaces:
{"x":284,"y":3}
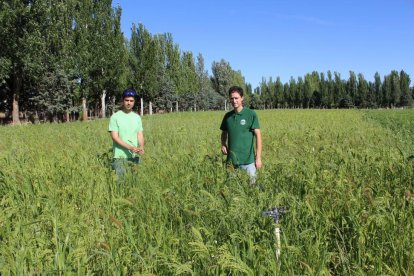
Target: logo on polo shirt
{"x":242,"y":122}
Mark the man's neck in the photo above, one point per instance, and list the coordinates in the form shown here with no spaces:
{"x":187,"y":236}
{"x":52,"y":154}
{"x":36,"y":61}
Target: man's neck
{"x":239,"y":109}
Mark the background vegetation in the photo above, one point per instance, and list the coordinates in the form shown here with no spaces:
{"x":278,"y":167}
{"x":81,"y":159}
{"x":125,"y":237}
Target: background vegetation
{"x":347,"y":178}
{"x":65,"y":60}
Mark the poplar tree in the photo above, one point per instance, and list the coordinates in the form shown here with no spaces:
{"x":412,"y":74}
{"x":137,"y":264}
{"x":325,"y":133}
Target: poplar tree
{"x":278,"y":86}
{"x":362,"y":92}
{"x":147,"y":53}
{"x":395,"y":88}
{"x":238,"y":79}
{"x":52,"y":93}
{"x":286,"y":96}
{"x":324,"y":92}
{"x":208,"y":97}
{"x":300,"y":91}
{"x":406,"y":95}
{"x":330,"y":84}
{"x":378,"y":89}
{"x":311,"y":86}
{"x":167,"y":91}
{"x":190,"y":80}
{"x":222,"y":78}
{"x":339,"y":89}
{"x":351,"y":88}
{"x":293,"y":93}
{"x":386,"y":91}
{"x":21,"y":46}
{"x":173,"y":66}
{"x":107,"y":52}
{"x":267,"y":92}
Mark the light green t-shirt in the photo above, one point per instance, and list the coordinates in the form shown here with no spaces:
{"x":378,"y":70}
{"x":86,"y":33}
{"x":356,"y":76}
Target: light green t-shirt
{"x":127,"y":125}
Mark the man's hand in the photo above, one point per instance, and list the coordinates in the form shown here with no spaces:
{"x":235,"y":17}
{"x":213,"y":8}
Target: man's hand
{"x":258,"y":163}
{"x":139,"y":150}
{"x":224,"y":149}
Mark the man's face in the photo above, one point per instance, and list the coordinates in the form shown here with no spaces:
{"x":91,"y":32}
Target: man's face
{"x":129,"y":103}
{"x":236,"y":100}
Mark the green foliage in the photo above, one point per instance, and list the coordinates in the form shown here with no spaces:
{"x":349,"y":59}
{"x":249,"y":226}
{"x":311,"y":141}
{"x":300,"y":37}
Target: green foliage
{"x":53,"y":95}
{"x":345,"y":175}
{"x":222,"y":77}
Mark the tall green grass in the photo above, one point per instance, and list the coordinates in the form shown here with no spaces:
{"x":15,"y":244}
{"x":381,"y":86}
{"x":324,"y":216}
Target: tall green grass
{"x":345,"y":176}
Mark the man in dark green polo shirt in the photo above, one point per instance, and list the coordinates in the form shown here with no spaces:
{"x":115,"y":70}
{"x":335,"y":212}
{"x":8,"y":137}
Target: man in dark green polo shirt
{"x":239,"y":129}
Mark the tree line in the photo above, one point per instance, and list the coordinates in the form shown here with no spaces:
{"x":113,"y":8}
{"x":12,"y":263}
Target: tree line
{"x":68,"y":59}
{"x":317,"y":90}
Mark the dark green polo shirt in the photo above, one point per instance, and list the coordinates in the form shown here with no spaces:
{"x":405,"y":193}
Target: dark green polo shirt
{"x":240,"y":128}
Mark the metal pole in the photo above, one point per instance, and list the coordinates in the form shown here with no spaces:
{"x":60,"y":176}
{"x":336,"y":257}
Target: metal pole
{"x":275,"y":213}
{"x":277,"y":234}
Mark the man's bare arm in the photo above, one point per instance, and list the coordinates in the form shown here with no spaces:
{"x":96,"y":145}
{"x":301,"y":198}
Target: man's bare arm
{"x":258,"y":134}
{"x":224,"y":142}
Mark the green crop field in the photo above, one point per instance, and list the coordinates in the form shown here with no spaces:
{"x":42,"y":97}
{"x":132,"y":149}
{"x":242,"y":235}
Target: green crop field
{"x":346,"y":175}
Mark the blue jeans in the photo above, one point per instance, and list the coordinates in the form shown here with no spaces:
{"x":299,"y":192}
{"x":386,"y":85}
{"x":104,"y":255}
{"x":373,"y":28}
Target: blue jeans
{"x":122,"y":165}
{"x":250,"y":169}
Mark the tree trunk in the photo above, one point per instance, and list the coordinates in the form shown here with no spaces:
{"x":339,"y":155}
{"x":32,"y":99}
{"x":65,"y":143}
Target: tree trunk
{"x":84,"y":110}
{"x":113,"y":106}
{"x":15,"y":112}
{"x":103,"y":106}
{"x":195,"y":107}
{"x":150,"y":108}
{"x":225,"y":105}
{"x":176,"y":106}
{"x":142,"y":107}
{"x":17,"y":87}
{"x":67,"y":116}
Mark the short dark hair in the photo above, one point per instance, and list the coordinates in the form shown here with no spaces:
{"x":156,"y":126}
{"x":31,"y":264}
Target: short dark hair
{"x":129,"y":93}
{"x":237,"y":89}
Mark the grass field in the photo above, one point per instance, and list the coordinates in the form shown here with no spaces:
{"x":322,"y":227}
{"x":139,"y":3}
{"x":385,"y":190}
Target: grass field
{"x":346,"y":175}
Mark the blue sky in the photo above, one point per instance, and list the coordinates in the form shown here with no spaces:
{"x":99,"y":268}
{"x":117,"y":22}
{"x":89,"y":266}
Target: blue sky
{"x":282,"y":38}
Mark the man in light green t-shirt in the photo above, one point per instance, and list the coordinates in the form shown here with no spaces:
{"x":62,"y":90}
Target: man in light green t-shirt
{"x":125,"y":127}
{"x":240,"y":127}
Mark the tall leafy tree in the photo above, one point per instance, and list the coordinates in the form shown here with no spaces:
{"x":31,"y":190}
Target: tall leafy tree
{"x":312,"y":86}
{"x":293,"y":93}
{"x":324,"y":92}
{"x":339,"y":88}
{"x":83,"y":30}
{"x":386,"y":91}
{"x":148,"y":54}
{"x":286,"y":100}
{"x":377,"y":89}
{"x":395,"y":88}
{"x":351,"y":87}
{"x":406,"y":95}
{"x":330,"y":84}
{"x":173,"y":65}
{"x":52,"y":93}
{"x":207,"y":95}
{"x":361,"y":97}
{"x":222,"y":77}
{"x":190,"y":77}
{"x":300,"y":92}
{"x":267,"y":92}
{"x":278,"y":88}
{"x":22,"y":46}
{"x":107,"y":49}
